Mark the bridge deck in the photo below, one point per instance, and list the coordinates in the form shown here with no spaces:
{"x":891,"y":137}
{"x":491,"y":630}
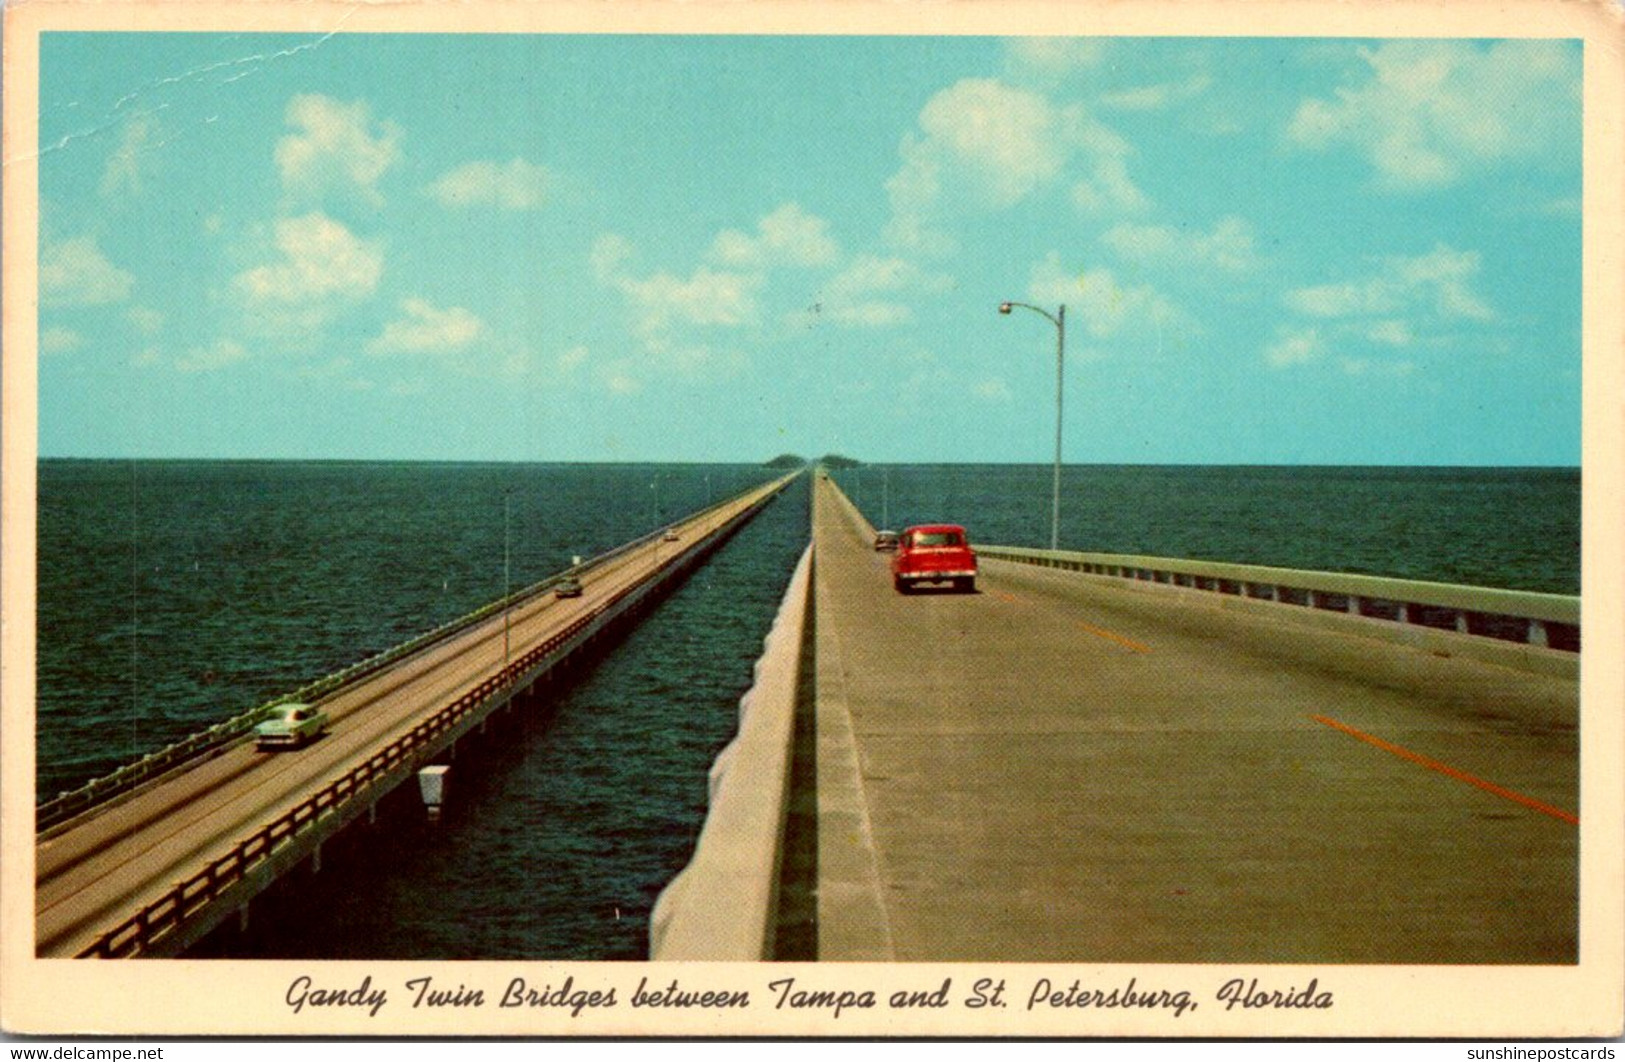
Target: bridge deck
{"x":117,"y":859}
{"x":1058,"y":768}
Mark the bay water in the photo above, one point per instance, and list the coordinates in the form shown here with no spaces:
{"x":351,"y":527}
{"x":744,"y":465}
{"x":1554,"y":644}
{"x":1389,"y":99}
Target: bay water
{"x":174,"y":594}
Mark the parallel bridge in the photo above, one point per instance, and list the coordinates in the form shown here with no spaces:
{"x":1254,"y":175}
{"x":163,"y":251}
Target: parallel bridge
{"x":151,"y":867}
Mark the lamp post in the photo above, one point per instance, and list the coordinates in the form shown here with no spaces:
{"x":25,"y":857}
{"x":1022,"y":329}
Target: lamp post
{"x":1058,"y":319}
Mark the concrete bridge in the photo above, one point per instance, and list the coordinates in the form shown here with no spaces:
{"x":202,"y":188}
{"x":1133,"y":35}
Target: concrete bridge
{"x":149,"y":860}
{"x":1091,"y":759}
{"x":1105,"y":760}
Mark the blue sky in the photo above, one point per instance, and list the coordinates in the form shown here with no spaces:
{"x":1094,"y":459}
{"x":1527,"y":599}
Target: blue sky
{"x":595,"y":248}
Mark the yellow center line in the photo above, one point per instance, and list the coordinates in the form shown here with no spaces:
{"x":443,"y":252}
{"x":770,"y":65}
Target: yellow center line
{"x":1445,"y":769}
{"x":1098,"y":632}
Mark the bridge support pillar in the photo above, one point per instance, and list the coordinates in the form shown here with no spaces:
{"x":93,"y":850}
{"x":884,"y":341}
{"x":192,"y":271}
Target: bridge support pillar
{"x":1538,"y":634}
{"x":242,"y":919}
{"x":316,"y":859}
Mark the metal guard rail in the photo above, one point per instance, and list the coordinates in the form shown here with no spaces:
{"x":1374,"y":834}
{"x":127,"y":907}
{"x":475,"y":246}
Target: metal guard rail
{"x":1547,"y":620}
{"x":169,"y":910}
{"x":66,"y":805}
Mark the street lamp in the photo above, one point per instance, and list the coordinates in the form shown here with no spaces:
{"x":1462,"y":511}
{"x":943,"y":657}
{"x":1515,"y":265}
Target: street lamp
{"x":1058,"y":319}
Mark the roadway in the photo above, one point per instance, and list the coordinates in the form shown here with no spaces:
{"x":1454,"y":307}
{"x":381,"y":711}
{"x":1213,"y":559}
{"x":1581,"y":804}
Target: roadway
{"x":1056,"y":768}
{"x":115,"y":859}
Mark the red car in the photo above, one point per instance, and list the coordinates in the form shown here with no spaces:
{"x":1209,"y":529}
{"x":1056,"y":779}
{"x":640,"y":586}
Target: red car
{"x":933,"y":553}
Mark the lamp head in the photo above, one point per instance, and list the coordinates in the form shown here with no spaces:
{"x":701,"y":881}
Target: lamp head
{"x":1004,"y":307}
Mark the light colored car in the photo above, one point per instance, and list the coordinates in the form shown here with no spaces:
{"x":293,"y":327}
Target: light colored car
{"x":291,"y":726}
{"x":569,"y":586}
{"x":669,"y":536}
{"x":885,"y":541}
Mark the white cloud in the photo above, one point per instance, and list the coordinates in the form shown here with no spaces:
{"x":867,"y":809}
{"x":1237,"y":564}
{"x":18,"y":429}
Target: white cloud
{"x":992,"y":145}
{"x":1105,"y":185}
{"x":621,"y":382}
{"x":1228,"y":247}
{"x":334,"y":147}
{"x":1056,"y":55}
{"x":59,"y":341}
{"x":424,"y":329}
{"x":1011,"y":138}
{"x":706,"y":297}
{"x":665,"y":304}
{"x":572,"y":359}
{"x":1426,"y":113}
{"x":1109,"y":189}
{"x":123,"y":170}
{"x":1098,"y":303}
{"x":1436,"y":283}
{"x":513,"y":185}
{"x":321,"y":259}
{"x":146,"y":320}
{"x":76,"y":273}
{"x":787,"y":236}
{"x":1393,"y":332}
{"x":609,"y":254}
{"x":1294,"y":346}
{"x":1158,"y":96}
{"x":867,"y":292}
{"x":218,"y":355}
{"x":992,"y":389}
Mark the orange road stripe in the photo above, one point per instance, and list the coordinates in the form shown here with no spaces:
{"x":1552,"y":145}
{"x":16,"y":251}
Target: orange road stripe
{"x":1446,"y":769}
{"x":1098,"y":632}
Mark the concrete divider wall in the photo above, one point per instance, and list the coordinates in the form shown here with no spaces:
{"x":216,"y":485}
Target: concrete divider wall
{"x":723,"y":906}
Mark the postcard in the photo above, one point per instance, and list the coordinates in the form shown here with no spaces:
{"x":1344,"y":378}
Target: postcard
{"x":850,"y":520}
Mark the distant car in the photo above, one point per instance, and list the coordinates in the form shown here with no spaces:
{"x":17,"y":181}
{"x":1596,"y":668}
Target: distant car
{"x":885,"y":541}
{"x":669,"y":536}
{"x":933,"y":553}
{"x":569,"y":586}
{"x":292,"y":726}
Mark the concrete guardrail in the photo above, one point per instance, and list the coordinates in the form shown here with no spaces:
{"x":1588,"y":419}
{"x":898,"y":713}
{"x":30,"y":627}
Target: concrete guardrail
{"x":1543,"y":620}
{"x":723,"y":906}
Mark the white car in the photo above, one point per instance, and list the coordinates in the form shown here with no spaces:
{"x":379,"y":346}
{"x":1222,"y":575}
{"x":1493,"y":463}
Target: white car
{"x":291,"y":726}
